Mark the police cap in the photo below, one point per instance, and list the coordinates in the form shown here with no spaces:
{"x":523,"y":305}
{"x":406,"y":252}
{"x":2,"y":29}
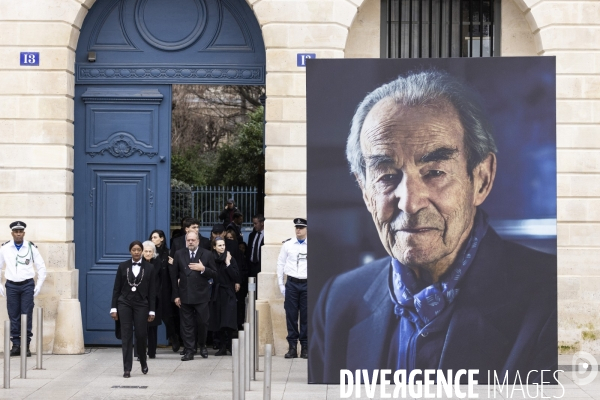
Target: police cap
{"x":18,"y":225}
{"x":300,"y":222}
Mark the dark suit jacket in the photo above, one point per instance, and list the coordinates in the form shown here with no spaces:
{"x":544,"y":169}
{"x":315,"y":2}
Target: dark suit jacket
{"x":179,"y":243}
{"x":145,"y":291}
{"x":504,"y":318}
{"x":193,"y":287}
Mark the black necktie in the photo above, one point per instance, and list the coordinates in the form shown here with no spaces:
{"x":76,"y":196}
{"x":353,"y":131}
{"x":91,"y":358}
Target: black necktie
{"x":193,"y":254}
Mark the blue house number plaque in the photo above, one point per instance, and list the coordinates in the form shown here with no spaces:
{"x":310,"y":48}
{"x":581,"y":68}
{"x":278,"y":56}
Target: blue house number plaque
{"x":302,"y":57}
{"x":30,"y":59}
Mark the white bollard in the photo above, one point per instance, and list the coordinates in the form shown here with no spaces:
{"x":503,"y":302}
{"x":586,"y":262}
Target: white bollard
{"x":242,"y":364}
{"x":6,"y":354}
{"x":267,"y":382}
{"x":247,"y":364}
{"x":235,"y":352}
{"x":39,"y":338}
{"x":252,"y":322}
{"x":23,"y":346}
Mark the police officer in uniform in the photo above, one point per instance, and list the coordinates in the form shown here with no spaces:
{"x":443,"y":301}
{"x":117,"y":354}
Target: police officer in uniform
{"x":292,"y":263}
{"x":20,"y":256}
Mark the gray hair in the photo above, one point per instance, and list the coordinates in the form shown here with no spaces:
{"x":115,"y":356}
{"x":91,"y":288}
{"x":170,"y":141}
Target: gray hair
{"x":422,"y":89}
{"x":151,"y":245}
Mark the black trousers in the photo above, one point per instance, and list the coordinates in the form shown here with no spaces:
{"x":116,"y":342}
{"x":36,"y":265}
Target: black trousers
{"x":194,"y":322}
{"x":19,"y":300}
{"x":133,"y":313}
{"x":296,"y":302}
{"x":152,"y":340}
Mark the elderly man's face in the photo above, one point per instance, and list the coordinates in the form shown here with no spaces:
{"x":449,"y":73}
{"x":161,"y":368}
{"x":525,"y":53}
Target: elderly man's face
{"x":417,"y":187}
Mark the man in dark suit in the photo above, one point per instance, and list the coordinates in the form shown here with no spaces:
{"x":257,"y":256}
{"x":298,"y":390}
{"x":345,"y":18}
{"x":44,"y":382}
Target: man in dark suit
{"x":452,"y":294}
{"x":192,"y":269}
{"x":255,"y":242}
{"x":189,"y":224}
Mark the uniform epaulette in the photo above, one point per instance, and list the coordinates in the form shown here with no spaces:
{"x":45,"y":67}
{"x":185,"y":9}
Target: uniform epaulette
{"x":4,"y":243}
{"x":33,"y":244}
{"x":286,"y":240}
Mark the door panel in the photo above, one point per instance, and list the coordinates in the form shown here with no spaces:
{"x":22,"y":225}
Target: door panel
{"x":122,"y":186}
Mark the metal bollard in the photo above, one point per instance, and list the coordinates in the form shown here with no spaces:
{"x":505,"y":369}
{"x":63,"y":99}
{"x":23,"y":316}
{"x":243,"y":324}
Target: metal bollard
{"x":39,"y":338}
{"x":23,"y":346}
{"x":267,"y":382}
{"x":256,"y":344}
{"x":6,"y":354}
{"x":247,"y":355}
{"x":235,"y":352}
{"x":242,"y":339}
{"x":252,"y":315}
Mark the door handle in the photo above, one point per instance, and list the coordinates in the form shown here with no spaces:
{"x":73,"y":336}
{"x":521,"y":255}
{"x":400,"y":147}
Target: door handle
{"x":162,"y":158}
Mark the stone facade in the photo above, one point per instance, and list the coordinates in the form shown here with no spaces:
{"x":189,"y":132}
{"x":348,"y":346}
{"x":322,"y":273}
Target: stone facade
{"x":36,"y":136}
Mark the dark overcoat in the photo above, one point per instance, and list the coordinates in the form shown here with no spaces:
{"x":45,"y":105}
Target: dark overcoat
{"x":223,"y":311}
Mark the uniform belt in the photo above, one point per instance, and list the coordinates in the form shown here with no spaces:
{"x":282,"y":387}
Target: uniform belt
{"x":296,"y":280}
{"x":20,"y":283}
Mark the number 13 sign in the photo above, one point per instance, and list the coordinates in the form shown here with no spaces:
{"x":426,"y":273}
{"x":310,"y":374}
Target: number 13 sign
{"x":30,"y":59}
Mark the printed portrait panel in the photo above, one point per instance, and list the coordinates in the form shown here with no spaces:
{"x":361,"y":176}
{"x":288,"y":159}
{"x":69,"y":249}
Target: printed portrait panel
{"x":432,"y":207}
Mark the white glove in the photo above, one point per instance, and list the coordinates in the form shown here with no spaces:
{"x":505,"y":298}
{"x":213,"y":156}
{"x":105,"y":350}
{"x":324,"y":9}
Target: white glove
{"x":2,"y":291}
{"x":282,"y":289}
{"x":37,"y":289}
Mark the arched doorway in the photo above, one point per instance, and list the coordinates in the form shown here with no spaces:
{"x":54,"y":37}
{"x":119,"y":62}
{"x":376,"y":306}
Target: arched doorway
{"x":129,"y":53}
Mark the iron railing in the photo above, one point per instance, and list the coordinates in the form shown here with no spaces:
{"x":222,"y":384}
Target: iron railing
{"x":439,"y":28}
{"x":207,"y":202}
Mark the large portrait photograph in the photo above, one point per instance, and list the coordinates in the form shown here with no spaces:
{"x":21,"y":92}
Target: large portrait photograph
{"x":431,"y":194}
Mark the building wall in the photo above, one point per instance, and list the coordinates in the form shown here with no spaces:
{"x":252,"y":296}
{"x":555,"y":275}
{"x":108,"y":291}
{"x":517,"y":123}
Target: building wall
{"x":36,"y":134}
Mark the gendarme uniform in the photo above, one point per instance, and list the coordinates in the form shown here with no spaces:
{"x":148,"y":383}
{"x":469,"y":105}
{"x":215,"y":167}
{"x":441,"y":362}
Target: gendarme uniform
{"x":20,"y":287}
{"x":292,"y":262}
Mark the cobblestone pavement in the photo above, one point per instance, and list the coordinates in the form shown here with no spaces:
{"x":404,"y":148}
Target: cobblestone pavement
{"x":98,"y":375}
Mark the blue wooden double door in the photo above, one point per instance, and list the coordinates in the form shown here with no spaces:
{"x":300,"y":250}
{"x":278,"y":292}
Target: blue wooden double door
{"x":123,"y":171}
{"x":128,"y":55}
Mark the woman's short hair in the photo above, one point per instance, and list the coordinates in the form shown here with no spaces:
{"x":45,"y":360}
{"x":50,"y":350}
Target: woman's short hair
{"x":136,"y":243}
{"x":151,"y":245}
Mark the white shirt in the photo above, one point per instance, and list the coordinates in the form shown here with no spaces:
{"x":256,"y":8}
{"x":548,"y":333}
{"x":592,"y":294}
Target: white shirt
{"x":19,"y":263}
{"x":256,"y":242}
{"x":292,"y":260}
{"x":135,"y":269}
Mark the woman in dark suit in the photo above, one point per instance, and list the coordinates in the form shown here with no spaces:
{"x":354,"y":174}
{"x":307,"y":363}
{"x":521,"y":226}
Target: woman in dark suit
{"x":151,"y":256}
{"x":224,"y":303}
{"x":168,"y":309}
{"x":133,"y":304}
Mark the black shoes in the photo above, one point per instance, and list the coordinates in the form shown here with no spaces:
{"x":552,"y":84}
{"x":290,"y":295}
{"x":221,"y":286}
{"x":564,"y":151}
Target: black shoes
{"x":182,"y":352}
{"x":222,"y":351}
{"x":175,"y":344}
{"x":144,"y":366}
{"x":292,"y":352}
{"x":187,"y":356}
{"x":304,"y":352}
{"x":15,"y":351}
{"x":126,"y":374}
{"x":204,"y":352}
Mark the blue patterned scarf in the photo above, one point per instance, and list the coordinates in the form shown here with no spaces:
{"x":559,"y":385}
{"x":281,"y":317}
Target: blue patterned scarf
{"x":421,"y":307}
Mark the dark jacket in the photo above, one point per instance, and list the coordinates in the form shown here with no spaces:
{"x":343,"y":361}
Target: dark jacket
{"x":504,"y":318}
{"x":165,"y":304}
{"x":159,"y":277}
{"x":227,"y":215}
{"x":224,"y":303}
{"x":193,"y":287}
{"x":146,"y":291}
{"x":179,"y":243}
